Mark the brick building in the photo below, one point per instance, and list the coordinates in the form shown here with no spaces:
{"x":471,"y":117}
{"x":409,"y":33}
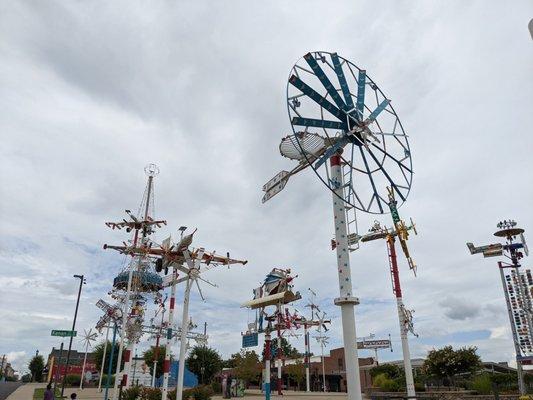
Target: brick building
{"x":57,"y":360}
{"x":335,"y":371}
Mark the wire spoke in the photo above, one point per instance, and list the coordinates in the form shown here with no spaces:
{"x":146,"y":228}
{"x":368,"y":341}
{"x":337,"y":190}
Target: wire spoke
{"x":370,"y":177}
{"x":391,"y":157}
{"x":386,"y":175}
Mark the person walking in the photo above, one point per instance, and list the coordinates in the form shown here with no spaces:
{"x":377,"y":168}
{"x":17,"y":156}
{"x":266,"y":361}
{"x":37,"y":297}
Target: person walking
{"x":48,"y":394}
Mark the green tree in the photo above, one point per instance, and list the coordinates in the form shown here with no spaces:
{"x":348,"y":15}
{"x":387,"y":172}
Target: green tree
{"x":204,"y":362}
{"x":390,"y":370}
{"x":247,"y":365}
{"x":36,"y":366}
{"x":286,"y":347}
{"x":149,"y":356}
{"x":445,"y":363}
{"x":99,"y":355}
{"x":296,"y":372}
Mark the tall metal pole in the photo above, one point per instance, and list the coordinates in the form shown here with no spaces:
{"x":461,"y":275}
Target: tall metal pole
{"x":127,"y":299}
{"x":521,"y":385}
{"x":279,"y":352}
{"x":110,"y":365}
{"x":306,"y":359}
{"x":103,"y":360}
{"x":409,"y":381}
{"x":183,"y":339}
{"x":346,"y":300}
{"x":267,"y":364}
{"x":156,"y":352}
{"x":83,"y":367}
{"x":125,"y":313}
{"x":168,"y":342}
{"x":81,"y":278}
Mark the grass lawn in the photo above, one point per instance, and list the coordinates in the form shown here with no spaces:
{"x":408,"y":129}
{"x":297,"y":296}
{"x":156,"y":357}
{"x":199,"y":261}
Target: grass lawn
{"x":38,"y":394}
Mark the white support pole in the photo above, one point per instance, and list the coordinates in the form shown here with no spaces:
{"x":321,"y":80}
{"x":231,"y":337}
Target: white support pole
{"x":125,"y":313}
{"x":127,"y":365}
{"x":279,"y":353}
{"x":83,"y":367}
{"x":323,"y":368}
{"x":346,"y":300}
{"x":267,"y":364}
{"x":183,"y":338}
{"x":103,"y":360}
{"x":307,"y":352}
{"x":408,"y":369}
{"x":168,"y":342}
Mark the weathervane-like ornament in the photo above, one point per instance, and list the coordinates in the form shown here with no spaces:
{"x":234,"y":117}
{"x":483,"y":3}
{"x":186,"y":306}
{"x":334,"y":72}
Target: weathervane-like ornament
{"x":346,"y":130}
{"x":517,"y":288}
{"x":88,"y":337}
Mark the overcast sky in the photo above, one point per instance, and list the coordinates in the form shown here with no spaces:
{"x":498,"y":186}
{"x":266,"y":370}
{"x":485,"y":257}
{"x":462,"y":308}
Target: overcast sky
{"x":90,"y":92}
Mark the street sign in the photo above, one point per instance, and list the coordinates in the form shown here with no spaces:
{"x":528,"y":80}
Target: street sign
{"x":374,"y":344}
{"x":64,"y":333}
{"x":250,"y":339}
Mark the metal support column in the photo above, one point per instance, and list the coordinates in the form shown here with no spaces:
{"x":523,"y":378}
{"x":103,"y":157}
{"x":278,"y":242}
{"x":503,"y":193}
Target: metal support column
{"x":346,"y":300}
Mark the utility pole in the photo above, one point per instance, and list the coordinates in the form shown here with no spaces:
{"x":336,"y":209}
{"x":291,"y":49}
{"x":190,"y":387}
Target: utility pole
{"x":82,"y":282}
{"x":514,"y":284}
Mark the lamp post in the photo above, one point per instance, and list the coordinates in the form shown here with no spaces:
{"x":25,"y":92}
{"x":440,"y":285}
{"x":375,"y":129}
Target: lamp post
{"x":82,"y":281}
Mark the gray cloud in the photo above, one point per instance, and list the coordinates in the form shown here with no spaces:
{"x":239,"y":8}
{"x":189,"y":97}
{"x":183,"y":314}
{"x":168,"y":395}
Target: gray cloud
{"x":459,"y":309}
{"x":91,"y":92}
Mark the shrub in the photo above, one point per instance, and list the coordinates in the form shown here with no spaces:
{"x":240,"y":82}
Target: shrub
{"x":481,"y":384}
{"x":131,"y":393}
{"x":385,"y":383}
{"x":419,"y":387}
{"x":72,"y":380}
{"x":111,"y":381}
{"x":148,"y":393}
{"x":216,"y":387}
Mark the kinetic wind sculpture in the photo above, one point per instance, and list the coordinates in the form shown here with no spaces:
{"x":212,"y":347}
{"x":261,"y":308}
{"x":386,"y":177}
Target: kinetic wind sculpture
{"x":338,"y":114}
{"x":111,"y":318}
{"x":187,"y":261}
{"x":401,"y":231}
{"x":518,"y":289}
{"x":139,"y":277}
{"x":88,"y":337}
{"x":277,"y":291}
{"x":319,"y":322}
{"x":323,"y":340}
{"x":137,"y":281}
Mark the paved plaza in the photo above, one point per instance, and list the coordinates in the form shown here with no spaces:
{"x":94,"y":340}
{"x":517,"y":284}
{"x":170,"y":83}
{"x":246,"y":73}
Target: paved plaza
{"x":25,"y":392}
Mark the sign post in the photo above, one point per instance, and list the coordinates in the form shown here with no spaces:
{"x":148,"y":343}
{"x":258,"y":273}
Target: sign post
{"x":64,"y":333}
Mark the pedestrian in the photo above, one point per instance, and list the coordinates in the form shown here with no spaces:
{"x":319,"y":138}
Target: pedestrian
{"x":48,"y":394}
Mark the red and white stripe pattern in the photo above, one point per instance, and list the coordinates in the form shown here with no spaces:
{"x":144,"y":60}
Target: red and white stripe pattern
{"x":127,"y":363}
{"x":166,"y":363}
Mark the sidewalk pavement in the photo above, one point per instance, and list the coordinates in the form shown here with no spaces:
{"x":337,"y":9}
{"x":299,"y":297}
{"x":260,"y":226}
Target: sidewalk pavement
{"x":25,"y":392}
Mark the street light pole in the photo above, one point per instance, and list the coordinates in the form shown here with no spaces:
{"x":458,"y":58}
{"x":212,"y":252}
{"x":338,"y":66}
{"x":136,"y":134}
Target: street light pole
{"x":82,"y":281}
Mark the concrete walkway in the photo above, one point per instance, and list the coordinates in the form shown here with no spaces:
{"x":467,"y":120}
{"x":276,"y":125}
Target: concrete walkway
{"x":25,"y":392}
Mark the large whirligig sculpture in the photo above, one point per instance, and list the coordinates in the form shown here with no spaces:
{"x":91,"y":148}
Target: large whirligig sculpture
{"x":346,"y":130}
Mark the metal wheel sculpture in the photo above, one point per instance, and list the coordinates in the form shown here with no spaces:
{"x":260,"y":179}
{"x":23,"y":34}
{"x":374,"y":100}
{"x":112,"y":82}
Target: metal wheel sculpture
{"x":334,"y":107}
